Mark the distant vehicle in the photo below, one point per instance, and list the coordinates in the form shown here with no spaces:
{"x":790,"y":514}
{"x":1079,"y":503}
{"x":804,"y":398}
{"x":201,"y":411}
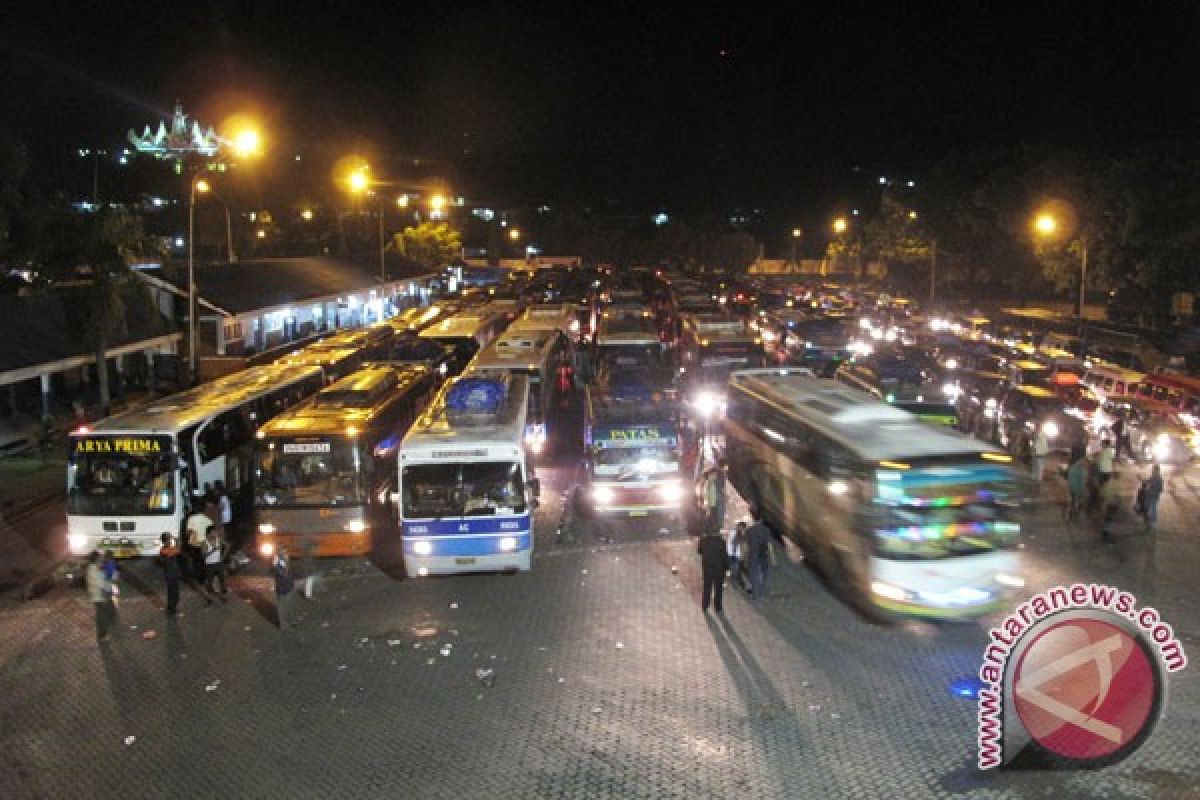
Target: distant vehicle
{"x":1155,"y":434}
{"x":536,"y":354}
{"x":1023,"y":410}
{"x":467,"y":333}
{"x":467,"y":491}
{"x":902,"y":517}
{"x":324,"y":471}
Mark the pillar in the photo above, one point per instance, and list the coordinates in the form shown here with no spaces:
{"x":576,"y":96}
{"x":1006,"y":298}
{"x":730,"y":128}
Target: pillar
{"x":151,"y":377}
{"x":119,"y":364}
{"x":220,"y":331}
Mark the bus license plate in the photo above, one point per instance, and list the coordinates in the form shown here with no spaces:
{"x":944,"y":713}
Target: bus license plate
{"x":464,"y":562}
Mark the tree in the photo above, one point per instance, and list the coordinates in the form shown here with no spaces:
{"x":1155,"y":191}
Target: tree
{"x":97,"y":249}
{"x":897,"y":236}
{"x":429,"y":245}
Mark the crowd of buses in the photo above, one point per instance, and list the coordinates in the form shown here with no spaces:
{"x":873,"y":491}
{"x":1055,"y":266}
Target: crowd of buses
{"x":885,"y":442}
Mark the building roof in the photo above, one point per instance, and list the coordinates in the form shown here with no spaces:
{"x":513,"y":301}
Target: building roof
{"x":51,"y":327}
{"x":262,"y":283}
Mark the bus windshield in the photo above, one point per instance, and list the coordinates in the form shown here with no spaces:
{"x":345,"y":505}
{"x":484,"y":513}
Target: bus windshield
{"x":944,"y":510}
{"x":475,"y":489}
{"x":632,"y":463}
{"x":119,"y":479}
{"x":309,"y":474}
{"x":629,"y":359}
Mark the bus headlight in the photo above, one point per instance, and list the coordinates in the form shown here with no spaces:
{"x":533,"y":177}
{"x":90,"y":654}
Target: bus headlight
{"x":423,"y":548}
{"x":1015,"y":581}
{"x":951,"y":363}
{"x":1050,"y":428}
{"x":707,"y":403}
{"x":890,"y":592}
{"x":356,"y":526}
{"x":77,"y":542}
{"x":603,"y":495}
{"x":266,"y":549}
{"x":838,"y":487}
{"x":508,"y":544}
{"x":670,"y":492}
{"x":266,"y":528}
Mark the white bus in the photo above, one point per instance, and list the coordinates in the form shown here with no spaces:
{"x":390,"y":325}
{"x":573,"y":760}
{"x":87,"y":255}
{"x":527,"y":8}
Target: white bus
{"x":466,"y":333}
{"x":535,"y":354}
{"x":466,"y":490}
{"x":134,"y":476}
{"x":548,"y":317}
{"x":911,"y":519}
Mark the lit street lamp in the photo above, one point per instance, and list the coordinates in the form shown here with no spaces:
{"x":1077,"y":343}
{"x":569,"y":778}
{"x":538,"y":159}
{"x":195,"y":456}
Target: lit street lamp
{"x":796,"y":234}
{"x":202,"y":186}
{"x":1046,"y":225}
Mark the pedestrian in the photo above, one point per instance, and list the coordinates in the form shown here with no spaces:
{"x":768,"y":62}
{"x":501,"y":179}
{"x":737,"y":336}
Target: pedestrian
{"x":169,"y":560}
{"x":285,"y":584}
{"x":1076,"y":486}
{"x":212,"y":509}
{"x":225,"y":508}
{"x":1105,"y":460}
{"x":734,"y":544}
{"x":714,"y":496}
{"x":1041,"y":449}
{"x":214,"y":563}
{"x":1152,"y":490}
{"x":757,"y":553}
{"x":100,"y":592}
{"x":714,"y":561}
{"x":198,"y":524}
{"x":1120,"y":432}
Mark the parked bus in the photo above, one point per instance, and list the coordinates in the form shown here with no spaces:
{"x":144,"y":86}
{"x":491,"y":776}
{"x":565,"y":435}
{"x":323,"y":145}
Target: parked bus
{"x":628,"y":342}
{"x":909,"y":518}
{"x":136,"y":475}
{"x":324,"y":472}
{"x":466,"y":488}
{"x":548,"y":317}
{"x":467,"y":333}
{"x":535,"y":354}
{"x":1180,"y":393}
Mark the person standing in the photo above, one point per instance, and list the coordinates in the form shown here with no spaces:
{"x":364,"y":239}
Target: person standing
{"x":757,"y":553}
{"x":1105,"y":460}
{"x":734,"y":544}
{"x":714,"y":561}
{"x":714,"y":496}
{"x":1076,"y":487}
{"x":1153,"y":488}
{"x":285,"y":585}
{"x":100,"y":592}
{"x":197,"y":533}
{"x":169,"y":559}
{"x":1041,"y":449}
{"x":1120,"y":433}
{"x":214,"y":563}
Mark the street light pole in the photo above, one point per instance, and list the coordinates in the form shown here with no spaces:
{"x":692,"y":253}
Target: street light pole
{"x":1082,"y":275}
{"x":229,"y":238}
{"x":192,"y":280}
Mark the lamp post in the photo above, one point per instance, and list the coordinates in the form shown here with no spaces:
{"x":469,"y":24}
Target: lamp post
{"x":839,"y":228}
{"x":202,"y":186}
{"x":1046,"y":225}
{"x":796,"y":234}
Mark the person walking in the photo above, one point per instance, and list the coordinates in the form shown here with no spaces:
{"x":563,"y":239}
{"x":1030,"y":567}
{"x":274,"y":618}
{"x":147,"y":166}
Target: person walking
{"x":197,"y":525}
{"x":1152,"y":490}
{"x":1120,"y":431}
{"x":169,"y":559}
{"x":285,"y":585}
{"x":714,"y":561}
{"x":1041,"y":449}
{"x":734,"y":544}
{"x":214,"y":563}
{"x":757,"y":552}
{"x":100,"y":592}
{"x":1076,"y":487}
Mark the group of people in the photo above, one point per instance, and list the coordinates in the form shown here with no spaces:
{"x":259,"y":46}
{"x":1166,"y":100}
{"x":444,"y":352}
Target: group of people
{"x":1092,"y":487}
{"x":730,"y":552}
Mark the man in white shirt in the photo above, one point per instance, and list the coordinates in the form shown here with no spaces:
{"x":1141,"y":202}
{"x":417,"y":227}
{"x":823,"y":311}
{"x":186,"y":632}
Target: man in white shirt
{"x":198,"y":524}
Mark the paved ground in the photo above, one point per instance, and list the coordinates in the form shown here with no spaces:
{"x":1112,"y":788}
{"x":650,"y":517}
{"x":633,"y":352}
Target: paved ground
{"x":609,"y":682}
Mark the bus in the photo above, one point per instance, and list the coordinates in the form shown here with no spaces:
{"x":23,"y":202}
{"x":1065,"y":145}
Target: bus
{"x":468,"y":333}
{"x":535,"y":354}
{"x":333,"y":363}
{"x":466,"y":488}
{"x":904,"y":518}
{"x":626,"y":342}
{"x":324,"y":471}
{"x":137,"y":475}
{"x":548,"y":317}
{"x":1177,"y":392}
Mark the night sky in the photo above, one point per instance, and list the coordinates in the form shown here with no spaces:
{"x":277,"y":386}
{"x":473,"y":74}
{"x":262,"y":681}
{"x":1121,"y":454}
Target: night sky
{"x":634,"y":105}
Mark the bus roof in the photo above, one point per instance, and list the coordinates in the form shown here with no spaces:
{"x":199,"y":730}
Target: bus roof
{"x":872,"y":429}
{"x":175,"y":412}
{"x":529,"y":351}
{"x":437,"y":435}
{"x":354,"y":400}
{"x":460,"y":326}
